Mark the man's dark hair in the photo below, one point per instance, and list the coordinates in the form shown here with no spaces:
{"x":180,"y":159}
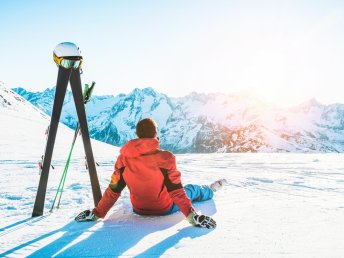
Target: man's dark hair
{"x":146,"y":128}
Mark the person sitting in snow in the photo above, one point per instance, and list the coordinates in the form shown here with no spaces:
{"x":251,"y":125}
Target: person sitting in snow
{"x":153,"y":180}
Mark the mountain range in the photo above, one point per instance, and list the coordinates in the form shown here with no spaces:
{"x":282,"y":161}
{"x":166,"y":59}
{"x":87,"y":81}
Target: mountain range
{"x":206,"y":123}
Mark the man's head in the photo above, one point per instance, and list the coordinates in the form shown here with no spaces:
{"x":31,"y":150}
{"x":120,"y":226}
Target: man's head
{"x":147,"y":128}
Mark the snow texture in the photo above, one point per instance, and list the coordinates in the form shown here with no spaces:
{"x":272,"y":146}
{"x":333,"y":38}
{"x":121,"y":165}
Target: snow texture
{"x":275,"y":205}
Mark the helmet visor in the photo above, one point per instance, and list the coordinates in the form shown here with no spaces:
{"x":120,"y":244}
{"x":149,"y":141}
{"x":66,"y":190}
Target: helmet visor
{"x":68,"y":62}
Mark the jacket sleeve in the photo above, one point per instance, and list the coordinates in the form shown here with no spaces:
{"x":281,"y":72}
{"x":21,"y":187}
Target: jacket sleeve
{"x":112,"y":193}
{"x":172,"y":181}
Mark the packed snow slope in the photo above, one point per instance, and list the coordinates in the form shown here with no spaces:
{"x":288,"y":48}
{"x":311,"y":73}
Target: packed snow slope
{"x":275,"y":205}
{"x":207,"y":123}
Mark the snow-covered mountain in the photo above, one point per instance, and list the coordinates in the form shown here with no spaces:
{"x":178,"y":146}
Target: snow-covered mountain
{"x":16,"y":116}
{"x":205,"y":123}
{"x":24,"y":125}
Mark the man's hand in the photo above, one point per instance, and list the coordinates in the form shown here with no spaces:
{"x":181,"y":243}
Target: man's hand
{"x":86,"y":215}
{"x":201,"y":220}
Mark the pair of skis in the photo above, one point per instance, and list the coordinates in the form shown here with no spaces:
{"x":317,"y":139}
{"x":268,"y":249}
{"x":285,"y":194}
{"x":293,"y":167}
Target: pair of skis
{"x":86,"y":97}
{"x":66,"y":75}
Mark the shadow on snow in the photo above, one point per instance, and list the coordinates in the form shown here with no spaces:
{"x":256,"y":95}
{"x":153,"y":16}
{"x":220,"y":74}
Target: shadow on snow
{"x":116,"y":235}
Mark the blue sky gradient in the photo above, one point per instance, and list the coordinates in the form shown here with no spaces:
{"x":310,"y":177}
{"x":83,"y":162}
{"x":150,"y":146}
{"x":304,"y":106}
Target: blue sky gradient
{"x":285,"y":51}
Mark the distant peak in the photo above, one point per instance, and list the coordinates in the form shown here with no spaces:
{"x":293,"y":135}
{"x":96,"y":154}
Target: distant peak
{"x":311,"y":103}
{"x":19,"y":90}
{"x":307,"y":105}
{"x":50,"y":89}
{"x":314,"y":102}
{"x":148,"y":89}
{"x":196,"y":95}
{"x":144,"y":91}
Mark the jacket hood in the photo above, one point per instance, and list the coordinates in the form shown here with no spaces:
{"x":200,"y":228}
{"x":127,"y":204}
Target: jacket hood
{"x":138,"y":147}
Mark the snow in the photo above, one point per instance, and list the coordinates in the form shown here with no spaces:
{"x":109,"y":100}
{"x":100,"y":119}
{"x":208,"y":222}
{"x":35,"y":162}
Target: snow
{"x":275,"y":205}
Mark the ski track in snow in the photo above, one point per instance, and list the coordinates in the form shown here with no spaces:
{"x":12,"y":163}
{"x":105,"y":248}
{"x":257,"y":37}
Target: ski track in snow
{"x":275,"y":205}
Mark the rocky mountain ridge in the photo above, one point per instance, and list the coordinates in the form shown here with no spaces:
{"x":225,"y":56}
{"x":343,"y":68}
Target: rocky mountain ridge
{"x":204,"y":123}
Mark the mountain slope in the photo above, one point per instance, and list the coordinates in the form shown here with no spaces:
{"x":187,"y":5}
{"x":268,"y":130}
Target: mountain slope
{"x":24,"y":124}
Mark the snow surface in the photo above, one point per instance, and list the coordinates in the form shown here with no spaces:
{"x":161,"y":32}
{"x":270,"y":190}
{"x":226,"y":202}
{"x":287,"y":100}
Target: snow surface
{"x":275,"y":205}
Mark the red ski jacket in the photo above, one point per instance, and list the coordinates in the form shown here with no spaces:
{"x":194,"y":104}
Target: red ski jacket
{"x":152,"y":178}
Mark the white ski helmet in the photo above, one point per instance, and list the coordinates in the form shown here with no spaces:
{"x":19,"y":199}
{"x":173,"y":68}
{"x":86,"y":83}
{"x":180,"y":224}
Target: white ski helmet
{"x":67,"y":55}
{"x":67,"y":49}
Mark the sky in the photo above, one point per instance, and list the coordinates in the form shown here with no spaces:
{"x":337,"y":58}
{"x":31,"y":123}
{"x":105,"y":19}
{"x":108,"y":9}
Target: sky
{"x":284,"y":51}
